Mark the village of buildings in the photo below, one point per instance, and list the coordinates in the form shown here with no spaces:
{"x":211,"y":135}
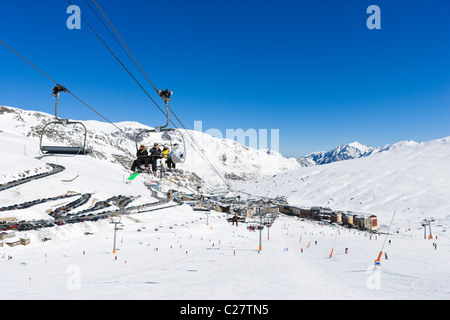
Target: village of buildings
{"x":248,"y":210}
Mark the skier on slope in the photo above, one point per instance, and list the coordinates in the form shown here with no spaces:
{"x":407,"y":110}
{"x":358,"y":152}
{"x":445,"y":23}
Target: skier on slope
{"x":235,"y":219}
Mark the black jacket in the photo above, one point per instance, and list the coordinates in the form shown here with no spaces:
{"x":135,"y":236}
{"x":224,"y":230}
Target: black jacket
{"x":155,"y":152}
{"x":142,"y":154}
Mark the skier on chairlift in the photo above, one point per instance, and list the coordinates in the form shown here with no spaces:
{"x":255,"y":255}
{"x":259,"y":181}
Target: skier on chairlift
{"x":142,"y":158}
{"x":166,"y":154}
{"x":155,"y":154}
{"x":176,"y":154}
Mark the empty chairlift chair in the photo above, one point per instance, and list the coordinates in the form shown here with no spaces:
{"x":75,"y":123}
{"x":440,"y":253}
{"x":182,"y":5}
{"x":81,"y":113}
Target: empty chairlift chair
{"x":65,"y":128}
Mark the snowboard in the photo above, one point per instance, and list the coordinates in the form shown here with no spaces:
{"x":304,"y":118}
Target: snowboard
{"x":134,"y":175}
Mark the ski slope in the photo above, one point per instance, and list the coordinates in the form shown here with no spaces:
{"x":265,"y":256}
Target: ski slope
{"x":235,"y":162}
{"x":187,"y":259}
{"x":408,"y":178}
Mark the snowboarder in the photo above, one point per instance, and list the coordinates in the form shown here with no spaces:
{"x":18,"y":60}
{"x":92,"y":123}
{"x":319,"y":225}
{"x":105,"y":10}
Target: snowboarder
{"x":142,"y":158}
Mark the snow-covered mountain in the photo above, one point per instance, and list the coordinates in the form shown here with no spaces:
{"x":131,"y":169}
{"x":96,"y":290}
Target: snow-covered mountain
{"x":348,"y":151}
{"x":408,"y":177}
{"x":233,"y":161}
{"x":173,"y":254}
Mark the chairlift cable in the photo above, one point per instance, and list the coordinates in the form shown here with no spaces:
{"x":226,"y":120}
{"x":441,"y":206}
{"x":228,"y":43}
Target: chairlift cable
{"x":102,"y":116}
{"x":109,"y":31}
{"x":127,"y":52}
{"x":139,"y":66}
{"x":143,"y":73}
{"x":57,"y":83}
{"x":118,"y":60}
{"x":136,"y":63}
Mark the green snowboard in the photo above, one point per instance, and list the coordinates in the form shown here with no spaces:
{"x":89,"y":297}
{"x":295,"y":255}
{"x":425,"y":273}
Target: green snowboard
{"x":134,"y":175}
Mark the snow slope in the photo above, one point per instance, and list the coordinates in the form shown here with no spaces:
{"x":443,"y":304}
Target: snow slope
{"x":234,"y":161}
{"x":409,"y":178}
{"x":89,"y":175}
{"x":187,"y":259}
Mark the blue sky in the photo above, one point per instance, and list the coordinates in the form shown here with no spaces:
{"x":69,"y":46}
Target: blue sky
{"x":311,"y":69}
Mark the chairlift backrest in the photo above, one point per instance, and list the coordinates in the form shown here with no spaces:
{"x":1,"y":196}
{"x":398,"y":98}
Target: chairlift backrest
{"x":80,"y":149}
{"x":177,"y":156}
{"x":177,"y":152}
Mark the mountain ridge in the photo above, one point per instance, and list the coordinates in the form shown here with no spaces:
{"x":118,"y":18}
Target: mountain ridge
{"x":407,"y":177}
{"x":353,"y":150}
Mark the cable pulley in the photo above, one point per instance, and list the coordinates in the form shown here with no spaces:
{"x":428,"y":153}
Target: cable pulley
{"x":165,"y":95}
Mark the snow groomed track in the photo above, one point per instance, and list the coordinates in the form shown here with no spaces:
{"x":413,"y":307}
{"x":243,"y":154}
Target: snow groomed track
{"x":56,"y":169}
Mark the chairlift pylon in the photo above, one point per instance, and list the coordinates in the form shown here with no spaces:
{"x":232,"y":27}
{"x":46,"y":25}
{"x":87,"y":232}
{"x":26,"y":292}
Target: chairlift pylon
{"x":65,"y":123}
{"x":177,"y":155}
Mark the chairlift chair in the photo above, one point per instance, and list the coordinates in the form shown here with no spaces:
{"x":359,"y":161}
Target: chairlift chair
{"x":80,"y":149}
{"x":177,"y":155}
